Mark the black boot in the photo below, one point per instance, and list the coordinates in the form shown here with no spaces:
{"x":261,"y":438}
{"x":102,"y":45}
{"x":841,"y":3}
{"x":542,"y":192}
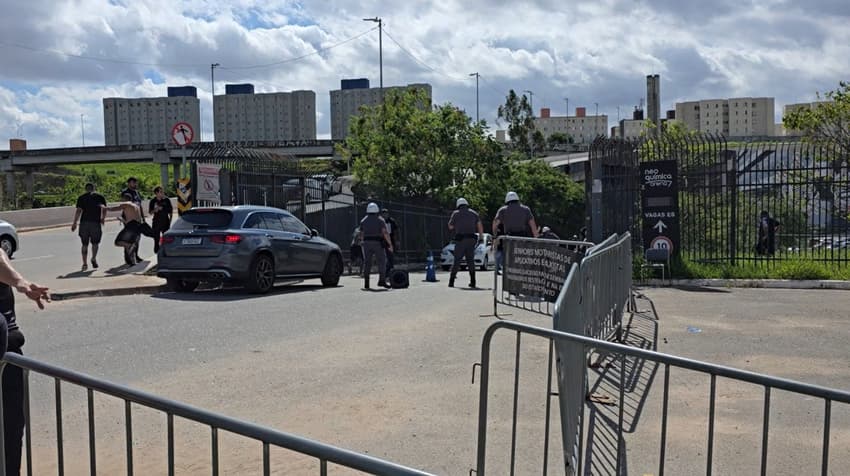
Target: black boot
{"x":451,"y":281}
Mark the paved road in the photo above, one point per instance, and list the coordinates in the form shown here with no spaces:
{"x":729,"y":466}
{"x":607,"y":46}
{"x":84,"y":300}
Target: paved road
{"x":388,"y":373}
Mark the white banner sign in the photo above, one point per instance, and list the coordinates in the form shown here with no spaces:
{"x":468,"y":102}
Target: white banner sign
{"x":208,"y":186}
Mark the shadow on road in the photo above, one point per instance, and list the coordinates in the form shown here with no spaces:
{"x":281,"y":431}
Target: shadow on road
{"x":603,"y":441}
{"x":76,"y":274}
{"x":228,"y":294}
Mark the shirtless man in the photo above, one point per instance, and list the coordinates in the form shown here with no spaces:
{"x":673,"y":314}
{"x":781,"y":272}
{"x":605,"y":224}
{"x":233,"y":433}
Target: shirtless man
{"x":128,"y":237}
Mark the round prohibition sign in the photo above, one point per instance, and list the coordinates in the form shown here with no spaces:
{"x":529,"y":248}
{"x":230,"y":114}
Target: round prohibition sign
{"x":662,"y":243}
{"x":182,"y":133}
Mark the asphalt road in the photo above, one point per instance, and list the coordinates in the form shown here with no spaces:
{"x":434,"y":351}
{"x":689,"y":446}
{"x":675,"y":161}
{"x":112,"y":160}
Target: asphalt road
{"x":388,"y":373}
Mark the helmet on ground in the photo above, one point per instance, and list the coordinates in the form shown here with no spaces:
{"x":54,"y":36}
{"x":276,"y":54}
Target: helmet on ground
{"x":372,"y":208}
{"x":511,"y":197}
{"x":461,"y":202}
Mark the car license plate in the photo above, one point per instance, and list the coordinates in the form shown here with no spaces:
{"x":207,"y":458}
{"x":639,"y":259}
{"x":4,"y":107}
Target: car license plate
{"x":191,"y":241}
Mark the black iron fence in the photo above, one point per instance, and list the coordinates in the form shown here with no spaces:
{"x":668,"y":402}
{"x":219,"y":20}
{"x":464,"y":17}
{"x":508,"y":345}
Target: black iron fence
{"x":320,"y":200}
{"x":724,"y":186}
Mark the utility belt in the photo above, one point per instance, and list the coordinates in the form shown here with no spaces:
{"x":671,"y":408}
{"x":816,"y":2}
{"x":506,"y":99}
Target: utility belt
{"x":466,"y":236}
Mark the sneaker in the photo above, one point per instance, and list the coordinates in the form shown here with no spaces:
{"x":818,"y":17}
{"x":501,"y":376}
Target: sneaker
{"x":85,"y":267}
{"x":94,"y":263}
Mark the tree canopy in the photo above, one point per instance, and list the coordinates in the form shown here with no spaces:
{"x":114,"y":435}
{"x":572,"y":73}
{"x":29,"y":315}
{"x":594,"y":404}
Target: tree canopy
{"x":826,"y":121}
{"x":517,"y":112}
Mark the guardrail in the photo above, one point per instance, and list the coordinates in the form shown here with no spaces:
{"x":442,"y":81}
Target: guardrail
{"x":577,"y":381}
{"x":324,"y":453}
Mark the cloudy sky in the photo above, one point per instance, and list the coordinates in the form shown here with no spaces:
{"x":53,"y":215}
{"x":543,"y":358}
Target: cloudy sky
{"x":59,"y":58}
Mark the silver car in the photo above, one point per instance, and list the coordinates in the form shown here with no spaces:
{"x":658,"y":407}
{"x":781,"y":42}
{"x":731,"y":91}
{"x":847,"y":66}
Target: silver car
{"x":8,"y":238}
{"x":246,"y":245}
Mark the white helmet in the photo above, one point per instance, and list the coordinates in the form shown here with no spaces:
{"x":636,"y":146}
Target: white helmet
{"x":511,"y":197}
{"x":546,"y":229}
{"x":372,"y":208}
{"x":461,"y":202}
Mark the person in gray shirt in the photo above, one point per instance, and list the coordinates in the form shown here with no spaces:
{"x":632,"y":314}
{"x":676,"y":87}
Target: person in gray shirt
{"x":467,"y":227}
{"x":516,"y":218}
{"x":373,"y":231}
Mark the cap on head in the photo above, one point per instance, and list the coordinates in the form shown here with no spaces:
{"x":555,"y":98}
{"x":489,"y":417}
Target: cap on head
{"x":372,"y":208}
{"x":461,"y":202}
{"x":511,"y":197}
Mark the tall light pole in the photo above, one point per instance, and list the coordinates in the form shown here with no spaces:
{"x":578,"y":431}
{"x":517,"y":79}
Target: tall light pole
{"x":380,"y":23}
{"x":567,"y":100}
{"x":212,"y":78}
{"x":597,"y":108}
{"x":83,"y":128}
{"x":477,"y":120}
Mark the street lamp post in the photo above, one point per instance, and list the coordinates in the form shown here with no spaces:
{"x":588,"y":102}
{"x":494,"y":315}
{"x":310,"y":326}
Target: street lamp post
{"x":567,"y":100}
{"x":380,"y":23}
{"x":83,"y":128}
{"x":476,"y":95}
{"x":597,"y":108}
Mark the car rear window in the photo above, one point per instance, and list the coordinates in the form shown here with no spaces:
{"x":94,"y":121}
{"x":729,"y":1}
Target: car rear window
{"x":203,"y":218}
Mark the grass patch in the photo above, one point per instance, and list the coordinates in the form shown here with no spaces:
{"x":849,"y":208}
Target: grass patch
{"x":793,"y":269}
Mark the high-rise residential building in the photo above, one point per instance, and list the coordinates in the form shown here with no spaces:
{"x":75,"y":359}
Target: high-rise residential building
{"x":355,"y":93}
{"x":142,"y":121}
{"x":733,"y":117}
{"x":242,"y":115}
{"x":582,"y":128}
{"x":653,"y":99}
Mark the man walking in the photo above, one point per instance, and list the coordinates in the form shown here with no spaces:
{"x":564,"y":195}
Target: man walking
{"x":467,"y":227}
{"x":516,"y":218}
{"x":129,"y":236}
{"x":12,"y":340}
{"x":135,"y":197}
{"x":373,"y":229}
{"x":392,"y":229}
{"x":91,"y":215}
{"x":161,"y":210}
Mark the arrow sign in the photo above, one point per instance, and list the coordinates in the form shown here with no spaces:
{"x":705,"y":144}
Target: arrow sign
{"x":660,"y":226}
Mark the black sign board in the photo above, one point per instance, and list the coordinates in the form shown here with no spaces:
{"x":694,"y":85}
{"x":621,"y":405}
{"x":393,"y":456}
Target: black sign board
{"x":537,"y":268}
{"x":660,"y":205}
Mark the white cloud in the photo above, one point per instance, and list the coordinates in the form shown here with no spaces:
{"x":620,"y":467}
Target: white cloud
{"x":589,"y":51}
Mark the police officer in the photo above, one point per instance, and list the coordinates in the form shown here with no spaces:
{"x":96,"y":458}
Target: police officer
{"x":467,"y":227}
{"x":516,"y":218}
{"x":373,"y":230}
{"x":11,"y":340}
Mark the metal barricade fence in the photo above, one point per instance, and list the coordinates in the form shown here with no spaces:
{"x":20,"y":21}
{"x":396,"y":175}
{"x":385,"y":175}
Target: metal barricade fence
{"x":532,"y":302}
{"x":576,"y":380}
{"x":606,"y":278}
{"x":324,"y":453}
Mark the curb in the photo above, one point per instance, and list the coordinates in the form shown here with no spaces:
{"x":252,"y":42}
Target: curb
{"x":146,"y":290}
{"x":45,"y":227}
{"x":751,"y":283}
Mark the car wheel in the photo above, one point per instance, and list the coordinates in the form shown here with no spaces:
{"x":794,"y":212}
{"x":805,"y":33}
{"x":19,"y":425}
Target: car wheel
{"x":484,"y":266}
{"x":182,"y":285}
{"x":446,"y":268}
{"x":332,"y":272}
{"x":8,"y":245}
{"x":261,"y":275}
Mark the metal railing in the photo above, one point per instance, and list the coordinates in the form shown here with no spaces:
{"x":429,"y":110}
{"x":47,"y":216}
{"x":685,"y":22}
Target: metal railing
{"x":577,"y":381}
{"x":324,"y":453}
{"x":606,"y":279}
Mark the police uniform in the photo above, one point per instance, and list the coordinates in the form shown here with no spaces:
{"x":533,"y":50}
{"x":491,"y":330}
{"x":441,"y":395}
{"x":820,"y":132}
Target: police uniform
{"x":515,"y":217}
{"x":373,"y":228}
{"x":13,"y":384}
{"x":465,"y":224}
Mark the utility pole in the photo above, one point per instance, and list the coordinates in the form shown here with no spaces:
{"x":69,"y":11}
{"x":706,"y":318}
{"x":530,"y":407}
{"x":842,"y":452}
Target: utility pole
{"x":212,"y":78}
{"x":618,"y":114}
{"x":567,"y":100}
{"x":477,"y":120}
{"x":83,"y":128}
{"x":597,"y":108}
{"x":380,"y":23}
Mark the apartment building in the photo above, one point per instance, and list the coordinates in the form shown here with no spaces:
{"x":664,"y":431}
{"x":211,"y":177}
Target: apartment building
{"x":148,"y":121}
{"x":242,"y":115}
{"x":355,"y":93}
{"x":582,"y":128}
{"x":733,"y":117}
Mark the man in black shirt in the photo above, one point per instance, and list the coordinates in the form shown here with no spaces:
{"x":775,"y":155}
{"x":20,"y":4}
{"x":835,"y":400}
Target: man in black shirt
{"x":91,"y":216}
{"x":11,"y":340}
{"x":133,"y":190}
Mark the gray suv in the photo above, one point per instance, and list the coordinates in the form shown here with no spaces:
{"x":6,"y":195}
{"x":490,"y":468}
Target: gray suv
{"x":246,"y":245}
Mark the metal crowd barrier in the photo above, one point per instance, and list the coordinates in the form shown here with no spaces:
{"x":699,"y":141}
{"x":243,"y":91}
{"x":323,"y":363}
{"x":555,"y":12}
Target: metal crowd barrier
{"x":324,"y":453}
{"x":574,"y":381}
{"x":527,"y":302}
{"x":606,"y":281}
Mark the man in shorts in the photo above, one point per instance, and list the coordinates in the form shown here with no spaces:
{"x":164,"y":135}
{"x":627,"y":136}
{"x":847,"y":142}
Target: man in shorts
{"x":91,"y":215}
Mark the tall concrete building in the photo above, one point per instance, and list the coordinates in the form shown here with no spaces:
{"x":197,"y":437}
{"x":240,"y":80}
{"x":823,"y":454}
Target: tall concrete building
{"x":653,"y":99}
{"x":733,"y":117}
{"x":142,"y":121}
{"x":241,"y":115}
{"x":582,"y":128}
{"x":355,"y":93}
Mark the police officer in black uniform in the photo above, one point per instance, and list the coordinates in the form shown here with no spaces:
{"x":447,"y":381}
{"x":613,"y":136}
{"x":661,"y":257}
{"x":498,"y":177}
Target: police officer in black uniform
{"x":375,"y":237}
{"x":516,"y":218}
{"x":11,"y":340}
{"x":466,"y":224}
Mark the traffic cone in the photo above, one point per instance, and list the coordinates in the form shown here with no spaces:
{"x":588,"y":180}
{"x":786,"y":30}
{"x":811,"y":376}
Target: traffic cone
{"x":430,"y":269}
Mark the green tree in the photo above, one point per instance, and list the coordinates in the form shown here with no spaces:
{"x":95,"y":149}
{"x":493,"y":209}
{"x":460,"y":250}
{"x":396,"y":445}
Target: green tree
{"x":517,"y":112}
{"x":559,"y":138}
{"x":538,"y":141}
{"x":827,"y":121}
{"x":404,"y":148}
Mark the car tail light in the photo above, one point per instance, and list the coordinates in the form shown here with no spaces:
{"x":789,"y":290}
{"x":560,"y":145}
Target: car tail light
{"x":166,"y":239}
{"x":226,"y":239}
